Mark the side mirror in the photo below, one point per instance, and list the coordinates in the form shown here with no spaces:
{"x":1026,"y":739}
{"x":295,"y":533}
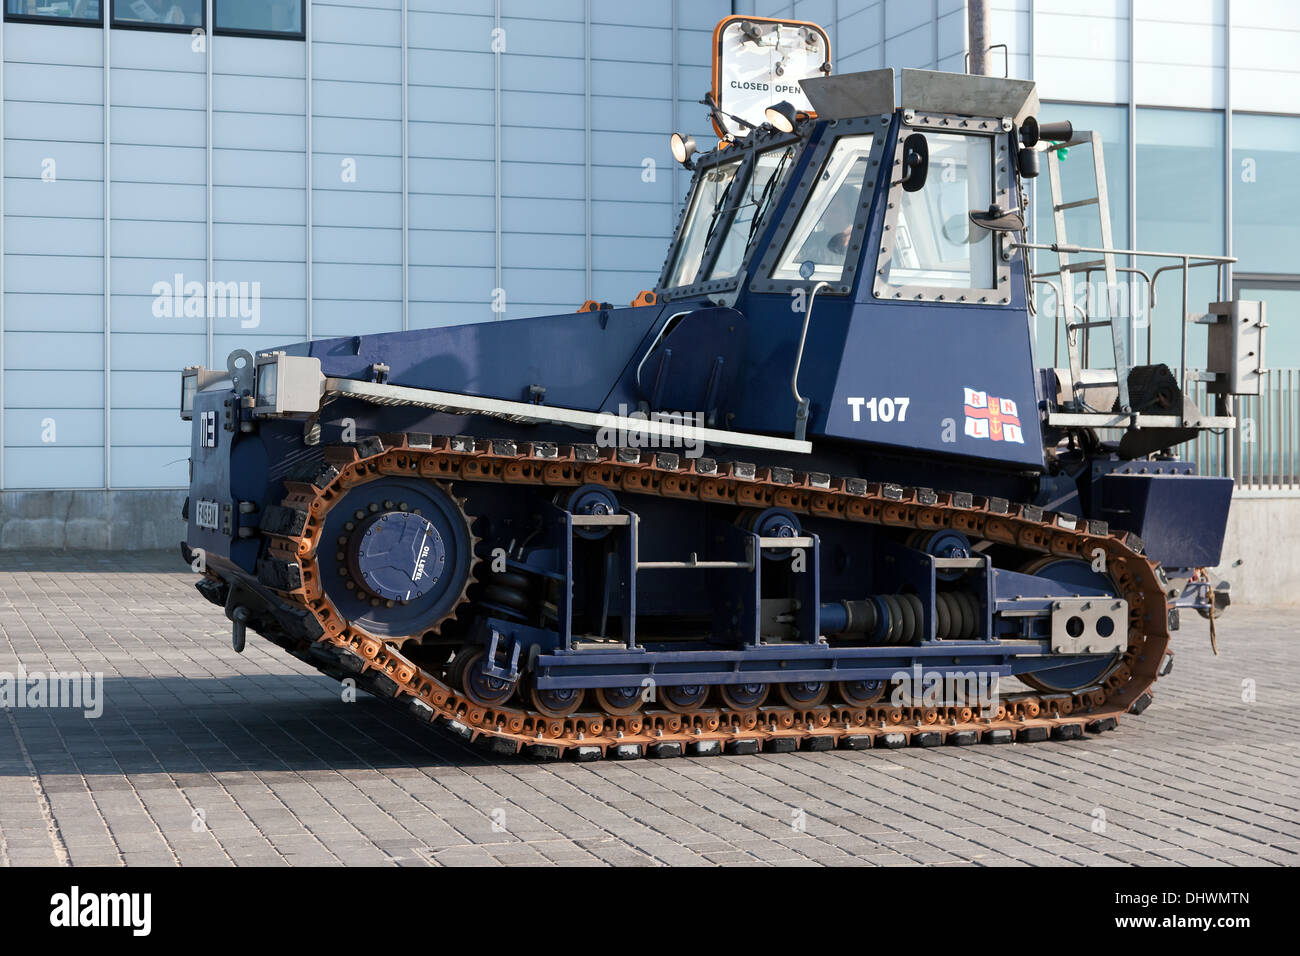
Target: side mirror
{"x":997,"y":219}
{"x":1027,"y":163}
{"x":916,"y":162}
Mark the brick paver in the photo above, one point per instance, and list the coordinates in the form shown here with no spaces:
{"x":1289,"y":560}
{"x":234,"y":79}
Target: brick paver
{"x":206,"y":757}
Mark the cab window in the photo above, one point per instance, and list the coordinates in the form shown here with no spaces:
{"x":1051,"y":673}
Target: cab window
{"x":768,"y":170}
{"x":935,"y":243}
{"x":703,"y":215}
{"x":825,"y":227}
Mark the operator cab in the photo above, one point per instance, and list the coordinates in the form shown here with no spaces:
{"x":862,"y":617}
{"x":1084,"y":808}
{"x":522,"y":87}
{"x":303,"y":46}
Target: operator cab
{"x":790,"y":201}
{"x":894,"y":206}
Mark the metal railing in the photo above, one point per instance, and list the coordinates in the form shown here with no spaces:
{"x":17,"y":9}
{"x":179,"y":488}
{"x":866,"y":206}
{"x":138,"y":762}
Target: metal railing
{"x":1065,"y":306}
{"x":1263,"y":453}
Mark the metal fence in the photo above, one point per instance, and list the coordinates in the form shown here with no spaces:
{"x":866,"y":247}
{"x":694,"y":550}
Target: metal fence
{"x":1263,"y":454}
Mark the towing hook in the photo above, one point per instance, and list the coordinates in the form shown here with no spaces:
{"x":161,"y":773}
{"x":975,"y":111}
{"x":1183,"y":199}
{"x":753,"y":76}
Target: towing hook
{"x":238,"y":627}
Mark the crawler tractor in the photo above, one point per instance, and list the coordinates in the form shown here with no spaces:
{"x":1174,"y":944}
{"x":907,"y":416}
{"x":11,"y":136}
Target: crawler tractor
{"x":808,"y":492}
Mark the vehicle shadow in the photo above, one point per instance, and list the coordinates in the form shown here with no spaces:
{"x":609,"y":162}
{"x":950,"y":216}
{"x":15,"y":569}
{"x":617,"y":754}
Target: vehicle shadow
{"x":74,"y":561}
{"x":177,"y":725}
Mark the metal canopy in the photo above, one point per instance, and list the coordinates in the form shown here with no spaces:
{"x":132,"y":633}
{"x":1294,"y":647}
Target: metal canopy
{"x":869,"y":93}
{"x":930,"y":91}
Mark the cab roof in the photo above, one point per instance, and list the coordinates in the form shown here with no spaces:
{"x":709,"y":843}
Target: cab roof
{"x":872,"y":93}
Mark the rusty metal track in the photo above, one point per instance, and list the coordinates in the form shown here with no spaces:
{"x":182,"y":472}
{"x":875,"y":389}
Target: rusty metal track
{"x":380,"y":667}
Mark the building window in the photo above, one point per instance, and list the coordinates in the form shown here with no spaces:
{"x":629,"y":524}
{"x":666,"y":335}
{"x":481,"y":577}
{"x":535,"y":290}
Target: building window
{"x":1265,"y":192}
{"x":270,"y":18}
{"x":1281,"y":297}
{"x":78,"y":12}
{"x":158,"y":14}
{"x":1179,"y":209}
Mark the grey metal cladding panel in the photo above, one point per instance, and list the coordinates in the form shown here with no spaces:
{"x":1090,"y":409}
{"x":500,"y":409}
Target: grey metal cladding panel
{"x":870,"y":92}
{"x":156,"y":50}
{"x":248,"y":56}
{"x":931,"y":91}
{"x":54,"y":83}
{"x":37,"y":43}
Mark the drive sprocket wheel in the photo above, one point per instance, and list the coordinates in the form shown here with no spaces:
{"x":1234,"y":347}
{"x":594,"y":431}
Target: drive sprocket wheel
{"x":397,"y":557}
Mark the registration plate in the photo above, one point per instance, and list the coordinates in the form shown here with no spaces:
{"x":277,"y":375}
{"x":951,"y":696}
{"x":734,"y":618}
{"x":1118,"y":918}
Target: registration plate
{"x":207,"y":514}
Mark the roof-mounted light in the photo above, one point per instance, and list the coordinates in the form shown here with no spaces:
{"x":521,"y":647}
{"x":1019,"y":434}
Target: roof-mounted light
{"x":288,"y":384}
{"x":683,"y":148}
{"x":194,"y":379}
{"x":783,"y":116}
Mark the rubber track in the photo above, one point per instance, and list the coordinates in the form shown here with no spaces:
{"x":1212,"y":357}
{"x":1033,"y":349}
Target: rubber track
{"x":381,"y":668}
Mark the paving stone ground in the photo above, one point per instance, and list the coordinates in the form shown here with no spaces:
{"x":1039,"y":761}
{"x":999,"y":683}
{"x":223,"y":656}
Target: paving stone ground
{"x":202,"y":756}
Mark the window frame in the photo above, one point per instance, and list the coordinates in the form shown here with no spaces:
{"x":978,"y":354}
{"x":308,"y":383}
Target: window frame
{"x":733,"y":210}
{"x":878,"y":127}
{"x":157,"y":27}
{"x":999,"y":131}
{"x":805,"y":226}
{"x":692,"y":208}
{"x":752,"y":146}
{"x":56,"y":21}
{"x":260,"y":34}
{"x":1265,"y":282}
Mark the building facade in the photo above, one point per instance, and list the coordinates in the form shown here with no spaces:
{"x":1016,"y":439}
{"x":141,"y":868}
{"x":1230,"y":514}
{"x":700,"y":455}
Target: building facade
{"x":184,"y":177}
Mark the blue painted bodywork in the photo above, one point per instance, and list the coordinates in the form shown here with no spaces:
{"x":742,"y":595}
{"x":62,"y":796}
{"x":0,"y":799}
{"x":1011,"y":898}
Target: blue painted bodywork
{"x":727,"y":358}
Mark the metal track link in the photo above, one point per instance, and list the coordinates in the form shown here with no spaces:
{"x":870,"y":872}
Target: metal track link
{"x":380,"y":667}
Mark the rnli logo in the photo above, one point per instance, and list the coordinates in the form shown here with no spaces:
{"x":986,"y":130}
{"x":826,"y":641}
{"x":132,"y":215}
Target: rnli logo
{"x":989,"y":417}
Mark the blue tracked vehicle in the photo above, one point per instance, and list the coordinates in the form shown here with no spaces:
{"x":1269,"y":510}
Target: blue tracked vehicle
{"x":810,"y":491}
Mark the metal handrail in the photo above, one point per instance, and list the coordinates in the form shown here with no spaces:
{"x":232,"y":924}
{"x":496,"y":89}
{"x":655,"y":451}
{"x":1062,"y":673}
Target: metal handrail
{"x":1187,"y":261}
{"x":801,"y":403}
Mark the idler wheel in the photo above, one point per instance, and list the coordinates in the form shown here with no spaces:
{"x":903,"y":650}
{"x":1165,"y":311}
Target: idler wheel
{"x":456,"y":669}
{"x":743,"y":696}
{"x":619,"y":701}
{"x":557,"y":702}
{"x":1068,"y":677}
{"x":773,"y":523}
{"x":684,"y":698}
{"x":804,"y":693}
{"x":481,"y":687}
{"x":595,"y":501}
{"x":861,"y":693}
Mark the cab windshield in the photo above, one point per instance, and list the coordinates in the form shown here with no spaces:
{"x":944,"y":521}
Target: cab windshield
{"x":703,"y":215}
{"x":768,"y":169}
